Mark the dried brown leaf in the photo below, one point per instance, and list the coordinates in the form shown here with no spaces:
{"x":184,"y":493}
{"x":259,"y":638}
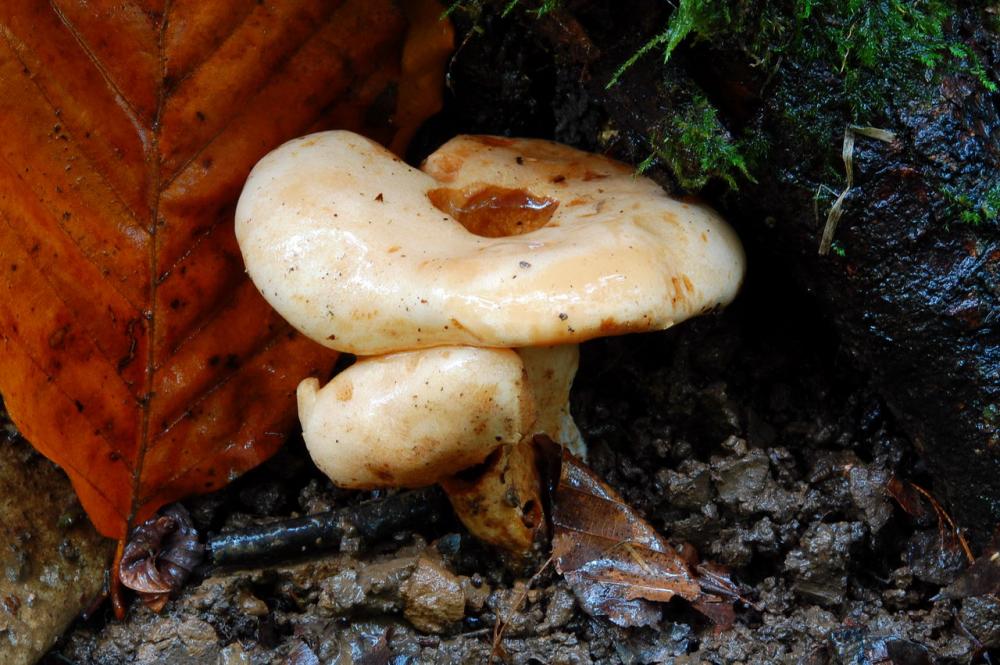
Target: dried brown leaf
{"x":617,"y":563}
{"x":160,"y":555}
{"x":907,"y":498}
{"x":135,"y":352}
{"x":908,"y":495}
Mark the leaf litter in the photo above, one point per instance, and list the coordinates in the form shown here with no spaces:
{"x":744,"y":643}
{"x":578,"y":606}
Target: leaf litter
{"x":620,"y":567}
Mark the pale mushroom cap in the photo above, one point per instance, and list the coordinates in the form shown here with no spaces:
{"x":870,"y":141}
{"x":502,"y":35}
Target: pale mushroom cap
{"x":412,"y":418}
{"x":342,"y":239}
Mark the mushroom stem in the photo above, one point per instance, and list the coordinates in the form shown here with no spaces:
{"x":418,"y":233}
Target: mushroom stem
{"x":500,"y":501}
{"x":550,"y":371}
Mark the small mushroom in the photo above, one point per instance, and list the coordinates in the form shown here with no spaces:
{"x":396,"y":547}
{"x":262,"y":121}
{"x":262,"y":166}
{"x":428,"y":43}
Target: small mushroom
{"x":410,"y":419}
{"x":496,"y":244}
{"x":453,"y":414}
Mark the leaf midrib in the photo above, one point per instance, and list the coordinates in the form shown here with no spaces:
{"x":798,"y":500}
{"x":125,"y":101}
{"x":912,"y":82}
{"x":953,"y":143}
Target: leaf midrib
{"x":155,"y":194}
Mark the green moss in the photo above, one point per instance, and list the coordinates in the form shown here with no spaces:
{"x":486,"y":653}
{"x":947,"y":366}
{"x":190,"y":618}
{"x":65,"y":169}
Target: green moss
{"x":540,"y":9}
{"x":870,"y":52}
{"x":974,"y":208}
{"x":991,"y":415}
{"x":828,"y":63}
{"x":695,"y":146}
{"x":872,"y":45}
{"x":697,"y":17}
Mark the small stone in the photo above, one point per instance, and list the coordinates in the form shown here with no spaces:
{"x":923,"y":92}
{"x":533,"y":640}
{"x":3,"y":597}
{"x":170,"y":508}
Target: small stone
{"x":198,"y":637}
{"x":741,"y":478}
{"x":252,"y":605}
{"x":234,"y":654}
{"x":341,"y":593}
{"x":868,"y":489}
{"x":981,"y":617}
{"x":819,"y":564}
{"x":931,"y":560}
{"x":434,"y":597}
{"x":689,"y":487}
{"x":382,"y":584}
{"x":50,"y":568}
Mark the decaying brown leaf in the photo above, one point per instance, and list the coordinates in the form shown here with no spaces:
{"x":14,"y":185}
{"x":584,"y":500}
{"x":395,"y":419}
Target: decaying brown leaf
{"x":907,"y":497}
{"x":617,"y":563}
{"x":135,"y":353}
{"x":160,"y":555}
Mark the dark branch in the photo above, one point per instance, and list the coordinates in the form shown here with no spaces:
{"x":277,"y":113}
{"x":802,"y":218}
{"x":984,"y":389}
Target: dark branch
{"x":370,"y":522}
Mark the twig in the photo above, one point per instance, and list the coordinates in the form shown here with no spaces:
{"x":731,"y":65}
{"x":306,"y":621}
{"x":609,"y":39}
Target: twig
{"x":371,"y":522}
{"x":115,"y":591}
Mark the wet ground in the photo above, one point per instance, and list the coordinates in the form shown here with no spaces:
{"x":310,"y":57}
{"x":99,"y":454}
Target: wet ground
{"x":745,"y":434}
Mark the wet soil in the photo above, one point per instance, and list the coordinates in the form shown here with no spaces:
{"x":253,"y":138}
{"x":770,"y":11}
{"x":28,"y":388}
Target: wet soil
{"x":913,"y":286}
{"x":745,"y":434}
{"x":52,"y":562}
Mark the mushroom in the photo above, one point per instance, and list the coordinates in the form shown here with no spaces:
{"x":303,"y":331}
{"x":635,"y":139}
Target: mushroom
{"x":550,"y":371}
{"x":414,"y":418}
{"x":409,"y":419}
{"x":496,"y":244}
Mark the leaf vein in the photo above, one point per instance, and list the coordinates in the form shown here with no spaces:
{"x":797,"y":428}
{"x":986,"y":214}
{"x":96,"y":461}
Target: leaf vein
{"x":205,"y":394}
{"x":17,"y":339}
{"x":240,"y":109}
{"x":150,"y":350}
{"x":93,"y":165}
{"x":205,"y":320}
{"x":83,"y":253}
{"x":264,"y":345}
{"x":91,"y":337}
{"x":208,"y":56}
{"x":92,"y":56}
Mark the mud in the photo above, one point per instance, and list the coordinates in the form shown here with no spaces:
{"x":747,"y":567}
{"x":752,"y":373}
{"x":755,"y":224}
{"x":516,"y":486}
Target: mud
{"x":912,"y":290}
{"x":745,"y":434}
